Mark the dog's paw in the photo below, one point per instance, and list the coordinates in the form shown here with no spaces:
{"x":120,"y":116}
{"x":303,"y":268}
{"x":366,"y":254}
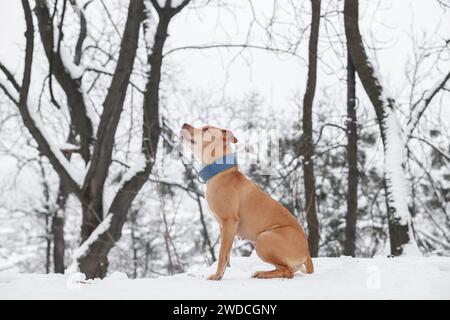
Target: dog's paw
{"x":278,"y":273}
{"x":259,"y":274}
{"x":215,"y":277}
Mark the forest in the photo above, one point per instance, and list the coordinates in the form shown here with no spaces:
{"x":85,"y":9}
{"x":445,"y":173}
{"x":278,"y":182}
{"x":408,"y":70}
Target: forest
{"x":351,"y":96}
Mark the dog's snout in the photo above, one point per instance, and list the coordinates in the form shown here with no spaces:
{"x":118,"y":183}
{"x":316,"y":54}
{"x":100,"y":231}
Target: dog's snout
{"x":185,"y":126}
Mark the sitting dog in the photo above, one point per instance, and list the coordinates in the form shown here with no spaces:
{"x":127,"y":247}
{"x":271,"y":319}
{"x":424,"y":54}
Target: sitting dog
{"x":243,"y":209}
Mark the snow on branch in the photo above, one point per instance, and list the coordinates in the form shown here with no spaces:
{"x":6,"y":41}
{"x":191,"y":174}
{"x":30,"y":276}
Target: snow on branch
{"x":56,"y":150}
{"x":395,"y":180}
{"x":147,"y":26}
{"x":139,"y":166}
{"x":393,"y":162}
{"x":83,"y":250}
{"x":77,"y":7}
{"x":75,"y":71}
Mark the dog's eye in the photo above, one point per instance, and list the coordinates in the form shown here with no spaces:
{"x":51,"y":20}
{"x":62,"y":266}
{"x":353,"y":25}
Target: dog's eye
{"x":205,"y":129}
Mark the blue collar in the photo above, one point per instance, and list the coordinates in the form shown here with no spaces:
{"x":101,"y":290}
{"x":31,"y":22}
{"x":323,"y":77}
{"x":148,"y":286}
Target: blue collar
{"x":219,"y":165}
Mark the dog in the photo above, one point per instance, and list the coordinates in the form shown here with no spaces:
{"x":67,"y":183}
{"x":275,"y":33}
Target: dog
{"x":243,"y":209}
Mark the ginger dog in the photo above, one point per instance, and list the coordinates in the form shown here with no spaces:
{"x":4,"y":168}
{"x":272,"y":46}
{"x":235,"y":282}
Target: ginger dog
{"x":244,"y":210}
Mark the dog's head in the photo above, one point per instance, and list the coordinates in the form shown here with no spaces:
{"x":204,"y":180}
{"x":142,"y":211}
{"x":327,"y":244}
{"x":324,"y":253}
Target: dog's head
{"x":207,"y":143}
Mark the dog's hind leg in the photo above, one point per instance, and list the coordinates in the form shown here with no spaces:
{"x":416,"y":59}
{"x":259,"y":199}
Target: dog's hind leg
{"x":282,"y":248}
{"x":279,"y":272}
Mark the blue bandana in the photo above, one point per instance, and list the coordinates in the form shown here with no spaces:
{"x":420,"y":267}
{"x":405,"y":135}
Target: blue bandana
{"x":219,"y":165}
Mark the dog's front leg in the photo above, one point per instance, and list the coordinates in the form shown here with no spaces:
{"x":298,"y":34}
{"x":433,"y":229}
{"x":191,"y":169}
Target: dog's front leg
{"x":228,"y":255}
{"x":228,"y":232}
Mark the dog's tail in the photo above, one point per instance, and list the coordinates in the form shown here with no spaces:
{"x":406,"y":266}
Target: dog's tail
{"x":309,"y":265}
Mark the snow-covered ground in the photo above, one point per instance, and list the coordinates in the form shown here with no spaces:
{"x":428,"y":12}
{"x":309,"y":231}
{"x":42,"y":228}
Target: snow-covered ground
{"x":335,"y":278}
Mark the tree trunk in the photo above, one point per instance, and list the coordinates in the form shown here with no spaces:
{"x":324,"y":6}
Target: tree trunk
{"x":48,"y":243}
{"x":205,"y":230}
{"x":93,"y":263}
{"x":58,"y":244}
{"x":308,"y":165}
{"x":58,"y":229}
{"x":58,"y":219}
{"x":134,"y":239}
{"x":398,"y":213}
{"x":352,"y":162}
{"x":48,"y":216}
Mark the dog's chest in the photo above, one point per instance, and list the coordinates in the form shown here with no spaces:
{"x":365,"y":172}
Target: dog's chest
{"x":219,"y":208}
{"x":242,"y":232}
{"x":208,"y":201}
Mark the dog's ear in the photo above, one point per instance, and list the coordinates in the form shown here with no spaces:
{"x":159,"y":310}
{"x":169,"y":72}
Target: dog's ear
{"x":229,"y":136}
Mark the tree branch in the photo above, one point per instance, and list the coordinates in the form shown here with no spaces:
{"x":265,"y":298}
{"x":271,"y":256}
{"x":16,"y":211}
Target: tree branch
{"x":180,"y":7}
{"x":362,"y":64}
{"x":242,"y":46}
{"x":156,"y":5}
{"x":57,"y":160}
{"x":14,"y":97}
{"x":72,"y":87}
{"x":107,"y":73}
{"x":10,"y":76}
{"x":442,"y":153}
{"x":113,"y":105}
{"x":29,"y":35}
{"x":167,"y":10}
{"x":83,"y":31}
{"x":414,"y":120}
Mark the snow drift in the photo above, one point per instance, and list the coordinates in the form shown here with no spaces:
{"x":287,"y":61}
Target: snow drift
{"x":335,"y":278}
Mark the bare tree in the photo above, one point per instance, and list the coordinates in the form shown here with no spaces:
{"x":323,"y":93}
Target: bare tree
{"x":92,"y":256}
{"x":399,"y":218}
{"x":352,"y":163}
{"x":100,"y":247}
{"x":400,"y":225}
{"x":308,"y":164}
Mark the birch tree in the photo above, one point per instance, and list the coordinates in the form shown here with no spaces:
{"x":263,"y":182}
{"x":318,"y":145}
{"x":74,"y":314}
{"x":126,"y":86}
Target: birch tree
{"x":400,"y":228}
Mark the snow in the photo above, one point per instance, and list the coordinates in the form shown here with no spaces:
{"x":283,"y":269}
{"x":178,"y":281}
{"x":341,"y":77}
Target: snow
{"x":77,"y":7}
{"x":335,"y":278}
{"x":393,"y":166}
{"x":394,"y":157}
{"x":75,"y":71}
{"x":68,"y":146}
{"x":394,"y":163}
{"x":138,"y":166}
{"x":173,"y":4}
{"x":147,"y":23}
